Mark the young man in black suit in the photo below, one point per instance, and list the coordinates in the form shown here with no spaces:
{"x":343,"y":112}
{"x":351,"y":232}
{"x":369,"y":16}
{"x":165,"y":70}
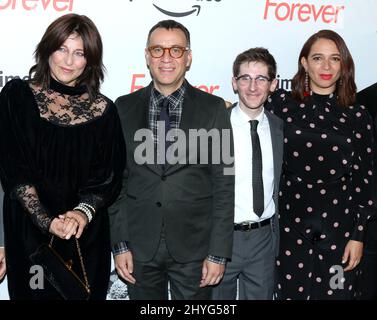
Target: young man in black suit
{"x":173,"y":222}
{"x":258,"y":155}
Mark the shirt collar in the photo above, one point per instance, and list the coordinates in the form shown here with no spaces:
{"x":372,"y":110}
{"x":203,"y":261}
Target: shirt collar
{"x":174,"y":99}
{"x":241,"y":118}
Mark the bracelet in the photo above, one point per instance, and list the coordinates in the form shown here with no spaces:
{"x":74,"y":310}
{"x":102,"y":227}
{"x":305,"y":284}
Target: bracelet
{"x":88,"y":205}
{"x":86,"y":209}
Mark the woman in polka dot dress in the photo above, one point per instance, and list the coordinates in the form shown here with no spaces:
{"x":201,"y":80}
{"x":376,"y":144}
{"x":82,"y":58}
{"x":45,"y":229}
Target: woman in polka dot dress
{"x":325,"y":196}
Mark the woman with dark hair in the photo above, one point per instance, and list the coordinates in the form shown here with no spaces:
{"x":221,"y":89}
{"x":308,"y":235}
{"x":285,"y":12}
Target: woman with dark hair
{"x":62,"y":159}
{"x":326,"y":195}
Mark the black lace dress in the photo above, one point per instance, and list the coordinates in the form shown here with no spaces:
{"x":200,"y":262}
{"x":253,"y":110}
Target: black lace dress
{"x":325,"y":194}
{"x":57,"y":150}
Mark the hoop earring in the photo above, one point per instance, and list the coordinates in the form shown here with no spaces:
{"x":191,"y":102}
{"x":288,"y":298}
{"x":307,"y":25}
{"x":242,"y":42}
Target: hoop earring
{"x":340,"y":83}
{"x":306,"y":89}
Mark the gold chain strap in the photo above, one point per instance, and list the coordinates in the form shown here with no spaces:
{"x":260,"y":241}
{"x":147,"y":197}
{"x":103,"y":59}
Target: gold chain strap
{"x":81,"y":262}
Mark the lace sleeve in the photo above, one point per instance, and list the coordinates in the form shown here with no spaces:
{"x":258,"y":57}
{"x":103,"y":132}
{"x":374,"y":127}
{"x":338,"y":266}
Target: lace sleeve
{"x":28,"y":197}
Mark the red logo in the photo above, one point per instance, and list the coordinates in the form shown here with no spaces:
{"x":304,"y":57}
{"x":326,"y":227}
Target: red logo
{"x":302,"y":12}
{"x":57,"y":5}
{"x":134,"y":86}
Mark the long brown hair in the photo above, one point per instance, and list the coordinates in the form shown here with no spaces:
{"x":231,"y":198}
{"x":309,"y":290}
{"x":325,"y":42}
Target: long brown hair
{"x":345,"y":86}
{"x":57,"y":32}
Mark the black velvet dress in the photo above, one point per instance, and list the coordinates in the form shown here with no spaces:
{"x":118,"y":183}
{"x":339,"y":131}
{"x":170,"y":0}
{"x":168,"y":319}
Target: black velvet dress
{"x":57,"y":149}
{"x":325,"y":194}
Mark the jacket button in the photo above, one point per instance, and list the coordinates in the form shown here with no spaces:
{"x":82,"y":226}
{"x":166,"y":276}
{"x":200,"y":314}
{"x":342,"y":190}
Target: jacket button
{"x":163,"y":178}
{"x":158,"y":204}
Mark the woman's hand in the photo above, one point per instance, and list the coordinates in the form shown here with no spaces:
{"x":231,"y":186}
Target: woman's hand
{"x":352,"y":253}
{"x":74,"y":223}
{"x":56,"y":228}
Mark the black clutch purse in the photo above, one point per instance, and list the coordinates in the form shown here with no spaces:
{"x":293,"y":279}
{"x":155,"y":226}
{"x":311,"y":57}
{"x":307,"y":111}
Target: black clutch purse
{"x":59,"y":273}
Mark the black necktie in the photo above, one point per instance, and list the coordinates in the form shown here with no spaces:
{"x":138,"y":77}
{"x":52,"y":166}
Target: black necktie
{"x":258,"y":193}
{"x":164,"y":116}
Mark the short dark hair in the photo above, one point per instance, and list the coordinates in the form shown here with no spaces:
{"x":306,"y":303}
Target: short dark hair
{"x":258,"y":54}
{"x":170,"y":24}
{"x":57,"y":32}
{"x":347,"y":90}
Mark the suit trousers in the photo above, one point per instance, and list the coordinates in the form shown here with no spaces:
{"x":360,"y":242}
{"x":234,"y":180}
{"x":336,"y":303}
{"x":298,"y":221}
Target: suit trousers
{"x":153,"y":277}
{"x":252,"y":266}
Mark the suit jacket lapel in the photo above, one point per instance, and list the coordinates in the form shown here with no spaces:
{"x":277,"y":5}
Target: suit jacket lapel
{"x":140,"y":120}
{"x":277,"y":145}
{"x":276,"y":130}
{"x":192,"y":117}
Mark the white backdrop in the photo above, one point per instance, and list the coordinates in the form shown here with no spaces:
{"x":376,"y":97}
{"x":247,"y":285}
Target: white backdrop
{"x":220,"y":29}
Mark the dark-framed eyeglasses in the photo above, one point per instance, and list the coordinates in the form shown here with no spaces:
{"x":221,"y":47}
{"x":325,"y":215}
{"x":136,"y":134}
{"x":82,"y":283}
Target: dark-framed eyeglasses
{"x":175,"y":52}
{"x":246,"y":79}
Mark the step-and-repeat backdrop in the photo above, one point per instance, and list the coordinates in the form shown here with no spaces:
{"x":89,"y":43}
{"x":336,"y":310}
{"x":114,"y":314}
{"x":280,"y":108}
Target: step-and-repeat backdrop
{"x":220,"y":29}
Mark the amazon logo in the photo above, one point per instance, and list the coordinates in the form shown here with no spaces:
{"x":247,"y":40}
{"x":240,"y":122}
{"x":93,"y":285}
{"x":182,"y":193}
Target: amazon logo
{"x":195,"y":9}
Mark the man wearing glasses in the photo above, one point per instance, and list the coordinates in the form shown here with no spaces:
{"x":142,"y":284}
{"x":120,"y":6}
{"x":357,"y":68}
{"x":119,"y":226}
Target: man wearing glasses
{"x":258,"y":153}
{"x":173,"y":222}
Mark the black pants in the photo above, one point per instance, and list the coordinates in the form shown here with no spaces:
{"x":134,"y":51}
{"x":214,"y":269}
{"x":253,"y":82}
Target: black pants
{"x":152,"y":278}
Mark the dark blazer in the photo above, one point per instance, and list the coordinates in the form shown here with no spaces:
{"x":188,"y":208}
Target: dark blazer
{"x":277,"y":136}
{"x":194,"y":203}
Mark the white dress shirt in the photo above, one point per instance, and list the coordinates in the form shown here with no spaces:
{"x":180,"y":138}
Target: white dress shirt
{"x":243,"y":166}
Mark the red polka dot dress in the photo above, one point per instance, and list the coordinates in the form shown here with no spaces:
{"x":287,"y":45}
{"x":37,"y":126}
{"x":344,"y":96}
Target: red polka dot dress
{"x":325,"y":194}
